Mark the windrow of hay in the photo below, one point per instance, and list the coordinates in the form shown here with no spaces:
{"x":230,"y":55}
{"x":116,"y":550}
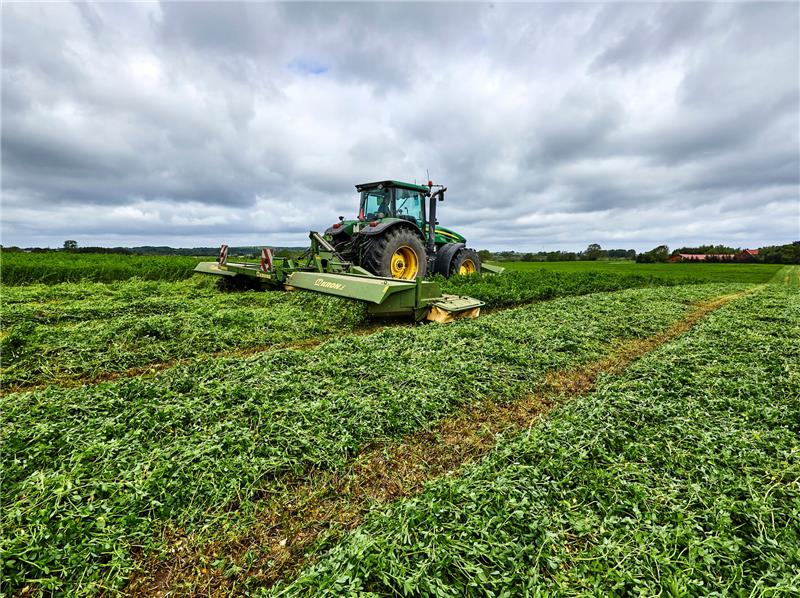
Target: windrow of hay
{"x":322,"y":505}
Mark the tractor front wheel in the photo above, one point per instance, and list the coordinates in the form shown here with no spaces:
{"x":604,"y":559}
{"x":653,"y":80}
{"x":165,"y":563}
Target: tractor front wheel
{"x":399,"y":253}
{"x":465,"y":262}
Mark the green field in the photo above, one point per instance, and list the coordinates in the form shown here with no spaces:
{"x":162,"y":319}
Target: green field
{"x":679,"y":271}
{"x":168,"y":426}
{"x":75,"y":332}
{"x":20,"y":268}
{"x":681,"y":477}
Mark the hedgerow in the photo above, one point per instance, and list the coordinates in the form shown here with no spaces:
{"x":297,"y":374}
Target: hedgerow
{"x":681,"y":477}
{"x":92,"y":471}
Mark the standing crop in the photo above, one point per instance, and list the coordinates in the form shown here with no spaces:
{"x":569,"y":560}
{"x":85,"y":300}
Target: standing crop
{"x":678,"y":273}
{"x":54,"y":267}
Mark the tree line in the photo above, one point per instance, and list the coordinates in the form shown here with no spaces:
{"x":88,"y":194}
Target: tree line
{"x":770,"y":254}
{"x":591,"y":253}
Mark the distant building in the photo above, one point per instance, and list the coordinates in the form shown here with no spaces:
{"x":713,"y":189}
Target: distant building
{"x":702,"y":257}
{"x":747,"y":255}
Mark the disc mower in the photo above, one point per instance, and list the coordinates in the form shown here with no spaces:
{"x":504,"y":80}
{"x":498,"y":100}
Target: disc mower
{"x":380,"y":257}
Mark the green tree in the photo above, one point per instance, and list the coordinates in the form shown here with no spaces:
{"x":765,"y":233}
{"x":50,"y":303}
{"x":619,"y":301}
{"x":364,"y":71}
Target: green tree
{"x":593,"y":252}
{"x":69,"y":244}
{"x":657,"y":254}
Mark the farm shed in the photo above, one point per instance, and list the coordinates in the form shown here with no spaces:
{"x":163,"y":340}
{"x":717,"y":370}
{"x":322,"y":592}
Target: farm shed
{"x":747,"y":255}
{"x":701,"y":257}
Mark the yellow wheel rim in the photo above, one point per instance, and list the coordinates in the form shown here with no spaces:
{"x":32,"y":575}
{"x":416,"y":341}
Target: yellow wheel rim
{"x":467,"y":267}
{"x":405,"y":264}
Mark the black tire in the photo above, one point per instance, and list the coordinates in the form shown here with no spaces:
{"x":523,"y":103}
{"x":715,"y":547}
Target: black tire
{"x":378,"y":251}
{"x":462,"y":258}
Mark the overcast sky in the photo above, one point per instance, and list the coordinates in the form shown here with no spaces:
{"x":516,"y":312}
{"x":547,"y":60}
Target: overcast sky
{"x":552,"y":125}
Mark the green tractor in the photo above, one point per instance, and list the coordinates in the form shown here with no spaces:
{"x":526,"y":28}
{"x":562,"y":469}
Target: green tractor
{"x":380,"y":258}
{"x":395,"y":236}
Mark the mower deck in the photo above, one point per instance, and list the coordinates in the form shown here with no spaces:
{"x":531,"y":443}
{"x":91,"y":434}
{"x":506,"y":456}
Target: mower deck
{"x":322,"y":272}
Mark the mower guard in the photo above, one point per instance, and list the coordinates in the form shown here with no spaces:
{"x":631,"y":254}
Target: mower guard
{"x":492,"y":269}
{"x":213,"y":268}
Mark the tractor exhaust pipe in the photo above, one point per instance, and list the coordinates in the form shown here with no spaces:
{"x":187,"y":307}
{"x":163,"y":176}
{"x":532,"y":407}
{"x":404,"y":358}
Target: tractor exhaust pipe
{"x":431,"y":249}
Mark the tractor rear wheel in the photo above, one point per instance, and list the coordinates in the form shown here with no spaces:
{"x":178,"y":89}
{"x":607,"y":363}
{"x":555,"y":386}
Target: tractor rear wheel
{"x":465,"y":262}
{"x":398,"y":253}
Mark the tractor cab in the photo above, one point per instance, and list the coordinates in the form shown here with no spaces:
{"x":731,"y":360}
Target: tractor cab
{"x":397,"y":235}
{"x":392,"y":199}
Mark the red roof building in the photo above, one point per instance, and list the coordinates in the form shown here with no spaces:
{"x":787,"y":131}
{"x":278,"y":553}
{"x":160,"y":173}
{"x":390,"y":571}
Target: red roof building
{"x":701,"y":257}
{"x":747,"y":255}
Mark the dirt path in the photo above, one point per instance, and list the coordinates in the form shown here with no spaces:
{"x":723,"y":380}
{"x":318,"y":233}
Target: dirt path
{"x":324,"y":505}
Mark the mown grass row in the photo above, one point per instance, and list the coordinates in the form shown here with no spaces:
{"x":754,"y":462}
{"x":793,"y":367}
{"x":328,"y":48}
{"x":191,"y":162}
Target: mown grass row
{"x":70,"y":332}
{"x":680,"y":478}
{"x":18,"y":268}
{"x":91,"y":472}
{"x":515,"y":288}
{"x":60,"y":333}
{"x":84,"y":301}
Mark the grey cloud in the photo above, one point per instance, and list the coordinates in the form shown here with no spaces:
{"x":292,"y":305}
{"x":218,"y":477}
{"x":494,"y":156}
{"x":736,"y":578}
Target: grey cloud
{"x":692,"y":135}
{"x":652,"y":34}
{"x":90,"y":17}
{"x":188,"y":123}
{"x":579,"y":126}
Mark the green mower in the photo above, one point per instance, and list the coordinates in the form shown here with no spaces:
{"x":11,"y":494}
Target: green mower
{"x":381,"y":257}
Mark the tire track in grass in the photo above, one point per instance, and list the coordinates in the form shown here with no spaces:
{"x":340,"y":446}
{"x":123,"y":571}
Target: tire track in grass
{"x":293,"y":524}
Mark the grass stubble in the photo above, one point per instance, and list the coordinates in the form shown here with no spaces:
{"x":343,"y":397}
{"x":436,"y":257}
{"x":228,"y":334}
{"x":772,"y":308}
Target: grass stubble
{"x":94,"y":472}
{"x":293,"y":526}
{"x":678,"y":476}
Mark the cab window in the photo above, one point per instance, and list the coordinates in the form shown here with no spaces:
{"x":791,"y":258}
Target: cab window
{"x":375,"y":202}
{"x":408,"y":203}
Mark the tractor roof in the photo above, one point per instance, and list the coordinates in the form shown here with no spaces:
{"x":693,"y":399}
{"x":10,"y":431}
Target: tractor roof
{"x":393,"y":184}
